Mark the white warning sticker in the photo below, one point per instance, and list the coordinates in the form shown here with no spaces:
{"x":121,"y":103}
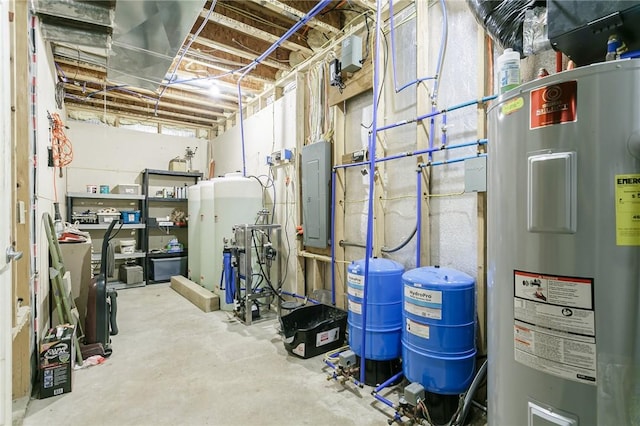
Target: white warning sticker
{"x":422,"y":311}
{"x":355,"y":307}
{"x":299,"y":350}
{"x":415,"y":328}
{"x":326,"y":337}
{"x":568,"y":356}
{"x":355,"y":292}
{"x":565,"y":291}
{"x":554,"y":325}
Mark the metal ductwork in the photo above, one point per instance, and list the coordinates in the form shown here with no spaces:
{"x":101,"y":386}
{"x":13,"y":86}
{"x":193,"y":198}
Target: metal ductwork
{"x":147,"y":36}
{"x":141,"y":38}
{"x":76,"y":22}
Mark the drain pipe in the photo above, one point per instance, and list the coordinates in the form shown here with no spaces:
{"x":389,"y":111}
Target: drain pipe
{"x":372,"y":165}
{"x":313,"y":12}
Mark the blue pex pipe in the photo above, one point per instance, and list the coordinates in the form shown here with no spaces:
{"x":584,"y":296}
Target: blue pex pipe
{"x":333,"y":237}
{"x":287,"y":293}
{"x":313,"y":12}
{"x":413,"y":153}
{"x":372,"y":162}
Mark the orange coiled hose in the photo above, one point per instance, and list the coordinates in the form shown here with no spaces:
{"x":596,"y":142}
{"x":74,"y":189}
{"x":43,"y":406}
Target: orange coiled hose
{"x":60,"y":144}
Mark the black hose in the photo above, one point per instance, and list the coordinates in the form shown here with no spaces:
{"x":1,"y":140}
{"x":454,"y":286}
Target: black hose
{"x":468,"y":397}
{"x":402,"y":244}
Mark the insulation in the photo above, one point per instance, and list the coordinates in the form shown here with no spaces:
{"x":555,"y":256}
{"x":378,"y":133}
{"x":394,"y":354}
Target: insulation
{"x":503,"y":19}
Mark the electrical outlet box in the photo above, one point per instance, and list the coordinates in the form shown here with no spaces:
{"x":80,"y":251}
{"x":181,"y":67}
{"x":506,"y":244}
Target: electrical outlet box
{"x":351,"y":53}
{"x":475,"y":175}
{"x":413,"y":393}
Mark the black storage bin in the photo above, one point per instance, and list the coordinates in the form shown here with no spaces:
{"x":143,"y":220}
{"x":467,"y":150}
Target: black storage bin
{"x":313,"y":330}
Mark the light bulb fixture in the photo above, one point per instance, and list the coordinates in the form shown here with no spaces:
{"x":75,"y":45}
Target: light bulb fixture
{"x":214,"y":90}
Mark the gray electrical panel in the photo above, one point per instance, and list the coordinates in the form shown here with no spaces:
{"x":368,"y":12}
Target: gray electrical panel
{"x":316,"y":193}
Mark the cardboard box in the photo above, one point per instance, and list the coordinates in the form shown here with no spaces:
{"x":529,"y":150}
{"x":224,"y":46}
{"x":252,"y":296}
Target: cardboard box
{"x":57,"y":359}
{"x":127,"y":188}
{"x":131,"y":274}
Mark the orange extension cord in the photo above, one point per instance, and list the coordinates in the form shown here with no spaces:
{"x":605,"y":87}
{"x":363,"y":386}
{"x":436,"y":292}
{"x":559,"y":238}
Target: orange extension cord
{"x":61,"y":148}
{"x":60,"y":144}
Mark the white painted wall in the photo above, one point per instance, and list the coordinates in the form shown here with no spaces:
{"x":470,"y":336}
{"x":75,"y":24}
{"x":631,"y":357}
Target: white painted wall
{"x":105,"y":155}
{"x":270,"y":129}
{"x":48,"y":183}
{"x":453,"y":219}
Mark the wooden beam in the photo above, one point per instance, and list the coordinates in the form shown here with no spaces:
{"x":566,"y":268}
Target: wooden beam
{"x":176,"y":92}
{"x":339,"y":207}
{"x":141,"y":111}
{"x":88,"y":109}
{"x":355,"y":84}
{"x":295,"y":15}
{"x":423,"y":105}
{"x":21,"y":168}
{"x":221,"y":62}
{"x":484,"y":89}
{"x":148,"y":103}
{"x":240,"y":52}
{"x":219,"y":19}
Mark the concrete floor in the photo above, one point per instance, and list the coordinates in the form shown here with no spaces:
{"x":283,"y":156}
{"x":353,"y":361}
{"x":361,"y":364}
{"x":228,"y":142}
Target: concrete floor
{"x":173,"y":364}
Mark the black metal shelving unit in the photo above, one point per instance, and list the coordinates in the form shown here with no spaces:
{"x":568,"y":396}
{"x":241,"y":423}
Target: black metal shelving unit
{"x":152,"y":204}
{"x":80,"y":201}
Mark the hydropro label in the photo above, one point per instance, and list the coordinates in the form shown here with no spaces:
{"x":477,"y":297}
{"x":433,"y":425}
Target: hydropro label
{"x":554,"y":325}
{"x":627,"y":209}
{"x":327,"y":337}
{"x":422,"y":302}
{"x":353,"y":279}
{"x":417,"y":329}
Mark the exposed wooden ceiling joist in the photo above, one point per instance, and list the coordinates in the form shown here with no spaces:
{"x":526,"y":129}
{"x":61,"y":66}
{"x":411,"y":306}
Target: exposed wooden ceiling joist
{"x":296,"y":14}
{"x":167,"y":108}
{"x":112,"y":106}
{"x":281,"y":65}
{"x":177,"y":91}
{"x":97,"y":76}
{"x":262,"y":75}
{"x":258,"y":33}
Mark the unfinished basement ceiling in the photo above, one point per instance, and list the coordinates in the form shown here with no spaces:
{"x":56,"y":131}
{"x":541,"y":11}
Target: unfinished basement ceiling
{"x":164,"y":59}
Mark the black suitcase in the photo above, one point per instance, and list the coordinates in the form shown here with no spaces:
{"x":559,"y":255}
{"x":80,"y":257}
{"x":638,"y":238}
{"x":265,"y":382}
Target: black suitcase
{"x":102,"y":307}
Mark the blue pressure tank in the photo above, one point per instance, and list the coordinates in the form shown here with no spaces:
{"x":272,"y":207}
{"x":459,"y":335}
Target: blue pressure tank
{"x":438,"y":337}
{"x":384,"y":308}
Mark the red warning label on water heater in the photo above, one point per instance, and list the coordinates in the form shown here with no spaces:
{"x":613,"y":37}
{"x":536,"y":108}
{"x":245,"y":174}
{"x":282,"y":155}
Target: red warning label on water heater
{"x":554,"y":104}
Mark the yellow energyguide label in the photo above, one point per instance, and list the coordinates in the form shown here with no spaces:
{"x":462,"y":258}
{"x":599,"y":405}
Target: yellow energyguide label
{"x":627,"y":210}
{"x":512,"y":106}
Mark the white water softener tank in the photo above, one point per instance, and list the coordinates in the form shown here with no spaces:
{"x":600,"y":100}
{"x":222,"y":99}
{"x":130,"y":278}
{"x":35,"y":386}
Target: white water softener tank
{"x":193,"y":235}
{"x":224,"y":202}
{"x":564,"y":249}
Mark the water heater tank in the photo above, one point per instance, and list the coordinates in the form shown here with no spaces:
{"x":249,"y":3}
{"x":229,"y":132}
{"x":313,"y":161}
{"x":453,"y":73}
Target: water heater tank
{"x":224,"y":202}
{"x":564,"y":249}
